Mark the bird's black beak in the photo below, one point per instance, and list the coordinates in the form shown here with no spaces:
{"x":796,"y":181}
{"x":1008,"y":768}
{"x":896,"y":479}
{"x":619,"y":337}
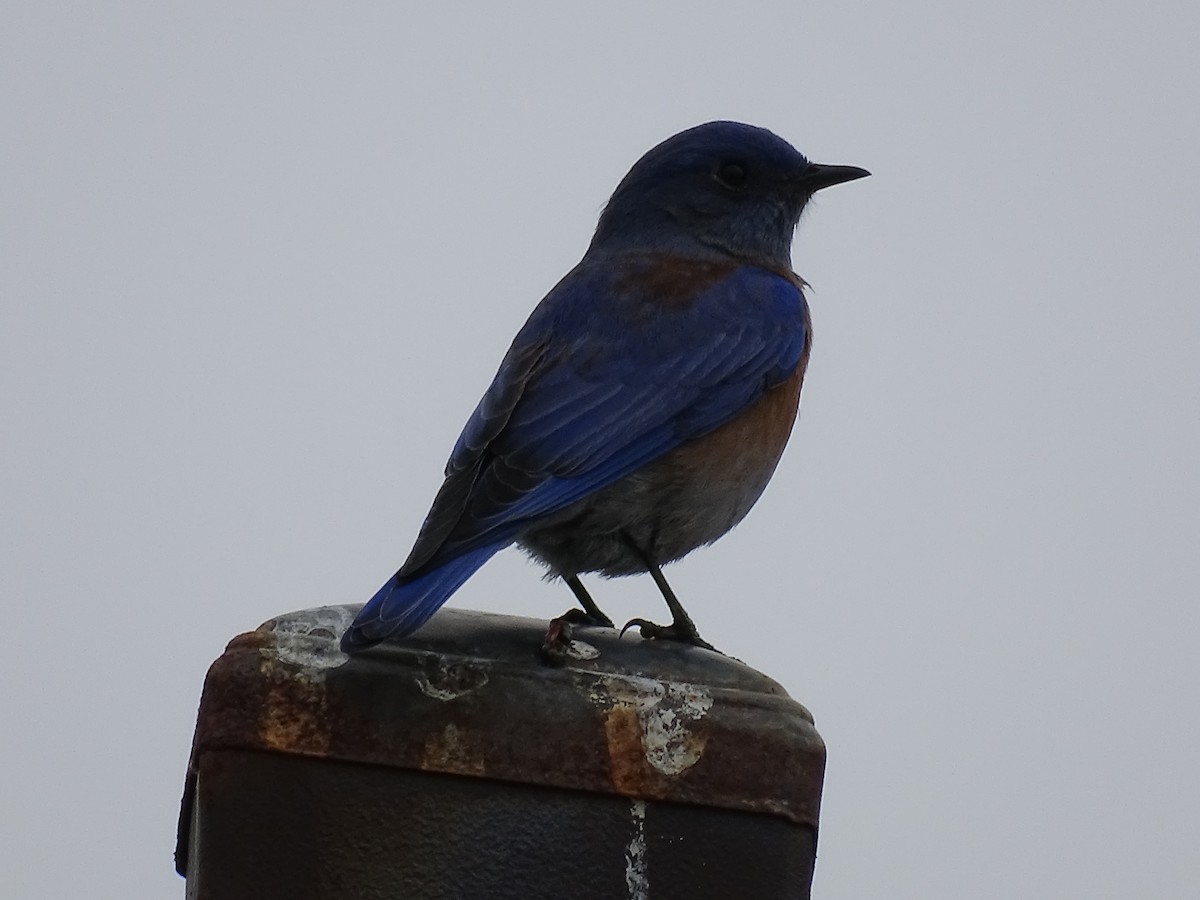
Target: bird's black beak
{"x":818,"y":176}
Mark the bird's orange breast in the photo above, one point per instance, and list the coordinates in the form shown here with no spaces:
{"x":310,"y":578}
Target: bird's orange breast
{"x":746,"y":449}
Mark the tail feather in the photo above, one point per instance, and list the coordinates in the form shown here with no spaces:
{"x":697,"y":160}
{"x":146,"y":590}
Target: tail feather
{"x":404,"y":604}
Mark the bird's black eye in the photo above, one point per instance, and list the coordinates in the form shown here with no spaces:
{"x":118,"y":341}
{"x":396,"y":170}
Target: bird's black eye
{"x":732,"y":175}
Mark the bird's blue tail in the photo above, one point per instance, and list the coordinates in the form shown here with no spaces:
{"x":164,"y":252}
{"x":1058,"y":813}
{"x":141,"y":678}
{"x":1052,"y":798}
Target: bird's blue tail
{"x":404,"y":604}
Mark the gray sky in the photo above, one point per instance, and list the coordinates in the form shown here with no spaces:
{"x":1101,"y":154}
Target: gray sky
{"x":259,"y":264}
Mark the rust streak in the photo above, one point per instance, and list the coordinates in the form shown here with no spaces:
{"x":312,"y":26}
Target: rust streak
{"x":626,"y":753}
{"x":292,"y":717}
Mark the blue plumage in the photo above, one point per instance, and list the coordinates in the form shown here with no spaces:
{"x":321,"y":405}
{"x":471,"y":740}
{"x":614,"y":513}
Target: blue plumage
{"x":642,"y":350}
{"x":403,"y":605}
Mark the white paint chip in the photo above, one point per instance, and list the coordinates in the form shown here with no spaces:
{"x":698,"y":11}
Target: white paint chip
{"x":309,"y":640}
{"x":665,"y":712}
{"x":637,"y":880}
{"x":450,"y":684}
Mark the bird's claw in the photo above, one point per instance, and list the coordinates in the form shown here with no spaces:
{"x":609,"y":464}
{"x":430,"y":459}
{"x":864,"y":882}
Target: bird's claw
{"x":684,"y":633}
{"x":584,"y":619}
{"x":557,"y":644}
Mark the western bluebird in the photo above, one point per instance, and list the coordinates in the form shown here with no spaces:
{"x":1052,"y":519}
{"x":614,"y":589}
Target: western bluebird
{"x":643,"y":406}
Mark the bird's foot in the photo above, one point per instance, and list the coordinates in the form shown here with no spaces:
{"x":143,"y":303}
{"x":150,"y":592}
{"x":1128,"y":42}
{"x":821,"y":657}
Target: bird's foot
{"x":584,"y":619}
{"x":684,"y":632}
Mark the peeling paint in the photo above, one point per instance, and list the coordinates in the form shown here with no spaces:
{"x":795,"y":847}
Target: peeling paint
{"x":665,"y":714}
{"x":636,"y":877}
{"x":436,"y":693}
{"x":581,"y":650}
{"x":449,"y":682}
{"x":309,"y":640}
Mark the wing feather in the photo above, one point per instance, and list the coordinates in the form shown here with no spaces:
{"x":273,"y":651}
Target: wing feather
{"x":594,"y":387}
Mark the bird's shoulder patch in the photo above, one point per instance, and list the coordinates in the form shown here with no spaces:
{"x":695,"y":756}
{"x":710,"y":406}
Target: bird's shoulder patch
{"x":670,"y":280}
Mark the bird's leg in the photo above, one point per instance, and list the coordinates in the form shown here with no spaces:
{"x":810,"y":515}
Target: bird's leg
{"x":591,"y":614}
{"x":557,"y":647}
{"x":681,"y":628}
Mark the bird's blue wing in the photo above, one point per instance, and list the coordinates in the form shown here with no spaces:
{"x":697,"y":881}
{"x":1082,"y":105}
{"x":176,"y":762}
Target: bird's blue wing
{"x":615,"y":367}
{"x":618,"y":365}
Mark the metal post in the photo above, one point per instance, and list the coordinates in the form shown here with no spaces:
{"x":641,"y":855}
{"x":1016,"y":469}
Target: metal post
{"x":458,"y":763}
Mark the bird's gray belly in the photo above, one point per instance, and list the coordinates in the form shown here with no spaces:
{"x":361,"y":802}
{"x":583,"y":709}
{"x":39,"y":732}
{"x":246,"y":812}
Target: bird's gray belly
{"x":663,"y":508}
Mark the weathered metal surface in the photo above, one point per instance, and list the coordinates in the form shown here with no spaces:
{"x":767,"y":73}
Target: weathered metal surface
{"x":470,"y":695}
{"x":278,"y":826}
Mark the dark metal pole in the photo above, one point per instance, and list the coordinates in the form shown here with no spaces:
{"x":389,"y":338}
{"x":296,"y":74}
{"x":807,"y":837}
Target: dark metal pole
{"x":458,"y":764}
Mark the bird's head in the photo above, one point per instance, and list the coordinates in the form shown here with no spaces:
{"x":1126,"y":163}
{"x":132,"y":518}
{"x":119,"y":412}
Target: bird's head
{"x":722,"y":188}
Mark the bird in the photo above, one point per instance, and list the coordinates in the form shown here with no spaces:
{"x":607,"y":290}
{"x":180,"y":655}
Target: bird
{"x":642,"y":408}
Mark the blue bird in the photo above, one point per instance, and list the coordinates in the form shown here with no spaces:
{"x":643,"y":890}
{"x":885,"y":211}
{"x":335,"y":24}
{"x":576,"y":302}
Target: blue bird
{"x":644,"y":405}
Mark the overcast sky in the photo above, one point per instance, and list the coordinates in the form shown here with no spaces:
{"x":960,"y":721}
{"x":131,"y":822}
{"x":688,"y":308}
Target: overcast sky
{"x":260,"y":261}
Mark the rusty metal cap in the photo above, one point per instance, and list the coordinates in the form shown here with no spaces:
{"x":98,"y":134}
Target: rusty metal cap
{"x":469,"y":694}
